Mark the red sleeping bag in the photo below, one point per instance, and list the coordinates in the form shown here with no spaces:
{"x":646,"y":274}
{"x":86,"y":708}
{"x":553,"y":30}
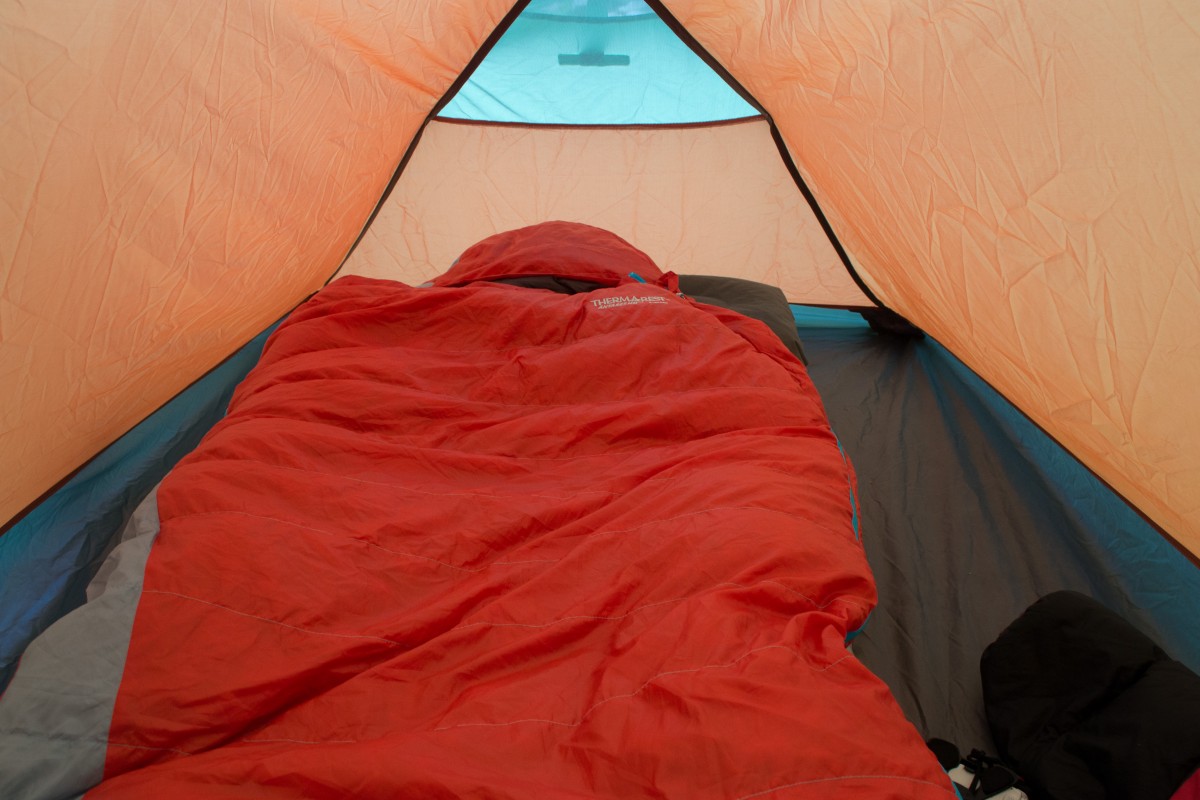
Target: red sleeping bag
{"x":477,"y":540}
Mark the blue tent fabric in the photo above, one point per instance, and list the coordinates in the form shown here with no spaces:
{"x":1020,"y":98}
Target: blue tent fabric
{"x":970,"y":513}
{"x":583,"y":62}
{"x":48,"y":558}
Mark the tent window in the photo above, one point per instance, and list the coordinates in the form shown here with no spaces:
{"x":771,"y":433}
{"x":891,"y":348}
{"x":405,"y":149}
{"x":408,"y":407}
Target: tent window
{"x":594,"y":62}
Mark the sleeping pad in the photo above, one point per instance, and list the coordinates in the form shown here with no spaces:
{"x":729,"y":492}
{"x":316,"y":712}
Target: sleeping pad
{"x":478,"y":540}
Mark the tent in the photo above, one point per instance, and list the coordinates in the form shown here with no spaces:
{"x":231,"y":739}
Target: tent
{"x":1017,"y":181}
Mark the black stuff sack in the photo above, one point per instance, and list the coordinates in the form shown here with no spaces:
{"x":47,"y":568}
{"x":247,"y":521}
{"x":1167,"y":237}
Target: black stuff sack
{"x":1087,"y":707}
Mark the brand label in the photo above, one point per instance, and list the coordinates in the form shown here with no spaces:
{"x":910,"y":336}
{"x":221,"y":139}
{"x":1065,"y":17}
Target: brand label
{"x":626,"y":300}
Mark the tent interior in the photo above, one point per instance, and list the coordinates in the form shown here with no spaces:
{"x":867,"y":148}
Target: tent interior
{"x":1019,"y":182}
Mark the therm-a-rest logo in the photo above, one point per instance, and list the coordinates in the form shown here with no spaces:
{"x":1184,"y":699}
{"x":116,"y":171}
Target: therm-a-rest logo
{"x":626,"y":300}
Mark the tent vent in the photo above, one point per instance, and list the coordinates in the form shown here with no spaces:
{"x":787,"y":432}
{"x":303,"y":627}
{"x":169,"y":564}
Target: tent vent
{"x":592,"y":60}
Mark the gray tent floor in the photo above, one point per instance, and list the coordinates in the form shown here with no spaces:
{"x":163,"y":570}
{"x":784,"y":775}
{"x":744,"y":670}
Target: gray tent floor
{"x":965,"y":525}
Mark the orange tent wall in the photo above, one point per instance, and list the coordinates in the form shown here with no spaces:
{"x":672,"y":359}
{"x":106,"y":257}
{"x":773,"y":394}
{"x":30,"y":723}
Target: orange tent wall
{"x":175,"y":177}
{"x":1020,"y":180}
